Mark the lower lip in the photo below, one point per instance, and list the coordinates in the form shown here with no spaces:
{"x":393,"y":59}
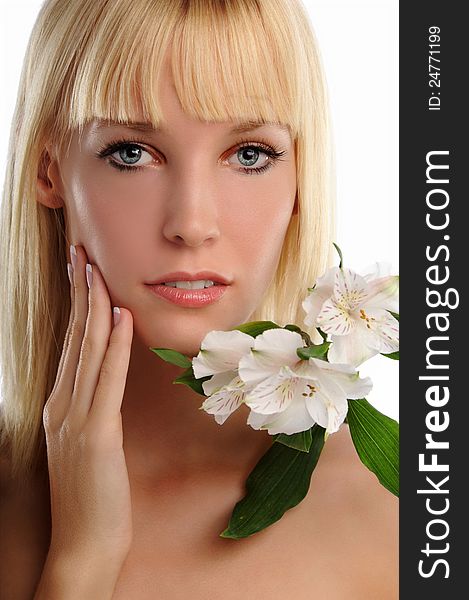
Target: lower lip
{"x":189,"y":298}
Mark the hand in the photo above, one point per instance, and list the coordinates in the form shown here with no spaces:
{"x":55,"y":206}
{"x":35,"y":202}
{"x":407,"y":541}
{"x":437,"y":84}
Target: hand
{"x":89,"y":484}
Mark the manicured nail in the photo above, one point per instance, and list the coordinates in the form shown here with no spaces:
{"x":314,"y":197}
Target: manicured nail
{"x":70,"y":273}
{"x":89,"y":275}
{"x":117,"y":315}
{"x":73,"y":256}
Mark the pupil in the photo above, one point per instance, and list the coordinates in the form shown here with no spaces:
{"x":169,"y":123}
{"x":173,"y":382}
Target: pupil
{"x":252,"y":155}
{"x":133,"y":150}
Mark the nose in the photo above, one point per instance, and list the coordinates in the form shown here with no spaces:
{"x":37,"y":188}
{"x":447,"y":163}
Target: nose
{"x":192,"y":216}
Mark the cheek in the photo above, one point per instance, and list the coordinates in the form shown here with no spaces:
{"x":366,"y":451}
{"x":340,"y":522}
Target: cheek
{"x":256,"y":242}
{"x":104,"y":204}
{"x":106,"y":221}
{"x":259,"y":230}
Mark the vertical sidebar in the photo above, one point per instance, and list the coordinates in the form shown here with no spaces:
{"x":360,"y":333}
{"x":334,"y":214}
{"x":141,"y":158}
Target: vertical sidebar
{"x":434,"y":236}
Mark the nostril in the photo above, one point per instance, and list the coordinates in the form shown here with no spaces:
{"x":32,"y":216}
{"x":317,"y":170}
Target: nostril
{"x":192,"y":241}
{"x":194,"y":235}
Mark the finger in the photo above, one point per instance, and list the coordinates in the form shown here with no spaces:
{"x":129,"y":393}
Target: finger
{"x":94,"y":345}
{"x":109,"y":392}
{"x":66,"y":383}
{"x":69,"y":327}
{"x":57,"y":404}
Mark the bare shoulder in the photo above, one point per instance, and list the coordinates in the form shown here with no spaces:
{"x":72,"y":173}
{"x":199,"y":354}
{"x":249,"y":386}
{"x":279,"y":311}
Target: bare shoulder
{"x":356,"y":519}
{"x":342,"y":467}
{"x":24,"y":524}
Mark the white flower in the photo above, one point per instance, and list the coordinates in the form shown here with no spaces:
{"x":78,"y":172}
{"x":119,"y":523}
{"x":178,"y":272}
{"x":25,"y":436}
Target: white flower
{"x":354,"y":310}
{"x":289,"y":395}
{"x":219,"y":356}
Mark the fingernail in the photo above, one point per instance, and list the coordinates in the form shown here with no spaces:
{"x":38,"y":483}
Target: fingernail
{"x":73,"y":256}
{"x":89,"y":275}
{"x":117,"y":315}
{"x":70,"y":273}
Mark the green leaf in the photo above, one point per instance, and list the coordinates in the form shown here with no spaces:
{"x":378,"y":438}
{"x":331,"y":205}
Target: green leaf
{"x":395,"y":315}
{"x":188,"y":378}
{"x":339,"y":251}
{"x":376,"y":439}
{"x":393,"y":355}
{"x":255,"y":328}
{"x":173,"y":357}
{"x":299,"y":441}
{"x":279,"y":481}
{"x":322,"y":334}
{"x":314,"y":351}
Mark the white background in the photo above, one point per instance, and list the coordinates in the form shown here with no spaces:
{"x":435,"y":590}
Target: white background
{"x":359,"y":45}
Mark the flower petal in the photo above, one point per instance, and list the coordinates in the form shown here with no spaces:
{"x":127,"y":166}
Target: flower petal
{"x":384,"y":331}
{"x":325,"y":283}
{"x":350,"y":289}
{"x":322,"y":291}
{"x":224,"y":402}
{"x":275,"y":393}
{"x":325,"y":412}
{"x":335,"y":319}
{"x":220,"y":351}
{"x":353,"y":349}
{"x":322,"y":367}
{"x":218,"y":381}
{"x":344,"y":378}
{"x":256,"y":420}
{"x":272,"y":349}
{"x":280,"y":344}
{"x":312,"y":305}
{"x":294,"y":419}
{"x":383,"y":293}
{"x":254,"y":368}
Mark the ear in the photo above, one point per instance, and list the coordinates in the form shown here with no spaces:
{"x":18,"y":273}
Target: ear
{"x":49,"y":184}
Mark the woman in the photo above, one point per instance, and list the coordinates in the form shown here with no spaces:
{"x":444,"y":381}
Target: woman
{"x":162,"y":142}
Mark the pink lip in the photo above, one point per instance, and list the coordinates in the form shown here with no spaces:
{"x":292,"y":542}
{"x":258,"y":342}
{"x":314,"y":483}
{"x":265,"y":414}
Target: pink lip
{"x":189,"y":298}
{"x":186,"y":276}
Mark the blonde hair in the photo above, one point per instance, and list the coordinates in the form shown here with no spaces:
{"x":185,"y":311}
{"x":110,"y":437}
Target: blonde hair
{"x":232,"y":60}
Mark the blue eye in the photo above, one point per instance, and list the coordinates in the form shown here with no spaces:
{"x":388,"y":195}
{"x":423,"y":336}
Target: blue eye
{"x":127,"y":151}
{"x":247,"y":154}
{"x":135,"y":153}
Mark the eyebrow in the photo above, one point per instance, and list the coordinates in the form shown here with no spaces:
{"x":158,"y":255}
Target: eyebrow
{"x":145,"y":127}
{"x":252,"y":125}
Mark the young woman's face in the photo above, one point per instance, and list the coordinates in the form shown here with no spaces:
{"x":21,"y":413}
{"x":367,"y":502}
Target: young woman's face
{"x":189,"y":200}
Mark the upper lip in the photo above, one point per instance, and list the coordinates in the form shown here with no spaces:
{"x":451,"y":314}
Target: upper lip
{"x":185,"y":276}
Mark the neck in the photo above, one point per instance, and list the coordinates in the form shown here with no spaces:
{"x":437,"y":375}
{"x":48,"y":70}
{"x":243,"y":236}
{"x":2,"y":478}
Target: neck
{"x":164,"y":430}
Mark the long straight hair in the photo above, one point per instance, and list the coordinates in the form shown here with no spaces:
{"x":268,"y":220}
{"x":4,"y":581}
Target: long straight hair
{"x":232,"y":60}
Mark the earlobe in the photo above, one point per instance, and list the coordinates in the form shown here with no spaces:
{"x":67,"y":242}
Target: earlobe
{"x":47,"y":185}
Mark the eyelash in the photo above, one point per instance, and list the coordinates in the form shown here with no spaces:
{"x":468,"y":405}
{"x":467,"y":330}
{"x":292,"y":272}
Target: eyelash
{"x":273,"y":152}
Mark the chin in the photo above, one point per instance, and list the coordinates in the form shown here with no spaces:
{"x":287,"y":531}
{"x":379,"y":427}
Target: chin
{"x":184,"y":329}
{"x":182,"y":335}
